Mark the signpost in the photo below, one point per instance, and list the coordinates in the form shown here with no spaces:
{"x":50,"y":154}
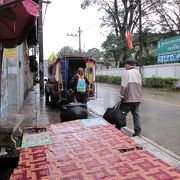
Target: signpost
{"x":169,"y":50}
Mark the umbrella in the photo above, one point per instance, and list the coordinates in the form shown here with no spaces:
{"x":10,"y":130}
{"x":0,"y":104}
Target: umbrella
{"x":17,"y":18}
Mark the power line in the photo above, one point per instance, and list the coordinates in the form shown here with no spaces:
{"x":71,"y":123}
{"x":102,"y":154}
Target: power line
{"x":47,"y":3}
{"x":91,"y":21}
{"x":90,"y":26}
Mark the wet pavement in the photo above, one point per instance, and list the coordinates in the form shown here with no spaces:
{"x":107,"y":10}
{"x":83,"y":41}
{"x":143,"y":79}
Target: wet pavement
{"x":160,"y":112}
{"x":157,"y":118}
{"x":36,"y":112}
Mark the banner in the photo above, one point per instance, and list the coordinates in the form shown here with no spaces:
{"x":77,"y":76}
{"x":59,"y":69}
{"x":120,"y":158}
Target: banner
{"x":129,"y":39}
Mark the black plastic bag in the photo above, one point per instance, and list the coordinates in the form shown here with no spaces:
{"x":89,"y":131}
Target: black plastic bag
{"x":73,"y":111}
{"x":115,"y":116}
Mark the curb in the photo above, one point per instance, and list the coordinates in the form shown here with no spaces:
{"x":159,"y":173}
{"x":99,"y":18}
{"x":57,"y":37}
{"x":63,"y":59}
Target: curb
{"x":167,"y":151}
{"x":151,"y":146}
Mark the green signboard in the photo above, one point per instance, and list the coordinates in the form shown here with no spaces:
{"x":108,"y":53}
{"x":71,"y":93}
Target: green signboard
{"x":169,"y":50}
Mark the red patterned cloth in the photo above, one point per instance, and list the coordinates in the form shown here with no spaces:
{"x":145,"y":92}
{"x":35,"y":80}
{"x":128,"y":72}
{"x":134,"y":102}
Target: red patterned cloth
{"x":80,"y":152}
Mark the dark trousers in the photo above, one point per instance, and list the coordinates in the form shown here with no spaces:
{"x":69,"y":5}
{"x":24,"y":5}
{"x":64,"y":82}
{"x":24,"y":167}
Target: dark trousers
{"x":81,"y":97}
{"x":134,"y":108}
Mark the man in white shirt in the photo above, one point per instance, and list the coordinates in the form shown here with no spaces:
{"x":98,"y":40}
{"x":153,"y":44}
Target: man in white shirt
{"x":131,"y":93}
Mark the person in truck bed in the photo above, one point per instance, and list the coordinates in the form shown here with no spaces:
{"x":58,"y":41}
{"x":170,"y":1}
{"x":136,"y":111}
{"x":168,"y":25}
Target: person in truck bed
{"x":80,"y":85}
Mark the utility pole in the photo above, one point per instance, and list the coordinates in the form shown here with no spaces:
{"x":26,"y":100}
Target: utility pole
{"x":79,"y":40}
{"x":140,"y":40}
{"x":41,"y":58}
{"x":40,"y":40}
{"x":79,"y":36}
{"x":1,"y":59}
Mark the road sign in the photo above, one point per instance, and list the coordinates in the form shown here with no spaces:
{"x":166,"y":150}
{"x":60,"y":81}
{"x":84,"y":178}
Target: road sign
{"x":169,"y":50}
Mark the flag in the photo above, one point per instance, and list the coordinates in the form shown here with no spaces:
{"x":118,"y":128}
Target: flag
{"x":129,"y":39}
{"x":51,"y":58}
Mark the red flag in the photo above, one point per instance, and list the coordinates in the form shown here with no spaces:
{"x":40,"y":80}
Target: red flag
{"x":129,"y":39}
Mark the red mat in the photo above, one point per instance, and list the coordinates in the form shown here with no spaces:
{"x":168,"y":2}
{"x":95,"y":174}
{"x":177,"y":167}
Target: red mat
{"x":82,"y":152}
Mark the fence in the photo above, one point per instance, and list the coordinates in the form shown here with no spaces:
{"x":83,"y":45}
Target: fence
{"x":159,"y":70}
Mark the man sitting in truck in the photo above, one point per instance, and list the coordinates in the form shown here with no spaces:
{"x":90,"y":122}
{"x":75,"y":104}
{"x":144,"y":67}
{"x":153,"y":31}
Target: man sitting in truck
{"x":80,"y":85}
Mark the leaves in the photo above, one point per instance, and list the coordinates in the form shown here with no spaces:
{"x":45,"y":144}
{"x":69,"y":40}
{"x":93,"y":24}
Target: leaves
{"x":94,"y":53}
{"x":123,"y":15}
{"x":167,"y":15}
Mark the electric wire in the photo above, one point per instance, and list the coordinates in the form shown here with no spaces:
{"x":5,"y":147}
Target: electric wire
{"x":45,"y":13}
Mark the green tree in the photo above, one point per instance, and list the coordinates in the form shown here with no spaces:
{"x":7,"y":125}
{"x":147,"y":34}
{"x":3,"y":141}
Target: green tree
{"x":149,"y":44}
{"x":121,"y":16}
{"x":167,"y":13}
{"x":66,"y":50}
{"x":111,"y":49}
{"x":94,"y":53}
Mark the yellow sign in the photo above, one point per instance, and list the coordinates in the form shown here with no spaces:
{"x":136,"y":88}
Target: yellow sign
{"x":10,"y":53}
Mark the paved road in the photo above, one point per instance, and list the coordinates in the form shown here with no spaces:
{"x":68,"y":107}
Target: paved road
{"x":160,"y":112}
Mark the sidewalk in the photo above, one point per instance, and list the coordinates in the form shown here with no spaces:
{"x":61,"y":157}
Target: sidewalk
{"x":36,"y":112}
{"x":92,"y":152}
{"x":160,"y":152}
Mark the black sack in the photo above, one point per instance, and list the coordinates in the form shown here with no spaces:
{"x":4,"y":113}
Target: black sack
{"x":116,"y":116}
{"x":73,"y":111}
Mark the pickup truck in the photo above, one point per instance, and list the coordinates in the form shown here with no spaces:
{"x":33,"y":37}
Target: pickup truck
{"x":60,"y":73}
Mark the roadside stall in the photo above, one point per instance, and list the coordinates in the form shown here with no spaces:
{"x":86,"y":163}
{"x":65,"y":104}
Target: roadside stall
{"x":87,"y":149}
{"x":17,"y":19}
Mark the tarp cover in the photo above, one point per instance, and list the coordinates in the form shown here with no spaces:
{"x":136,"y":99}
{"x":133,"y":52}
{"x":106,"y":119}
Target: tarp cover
{"x":17,"y":18}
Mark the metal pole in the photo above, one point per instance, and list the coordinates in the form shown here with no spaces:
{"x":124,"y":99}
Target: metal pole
{"x":79,"y":40}
{"x":1,"y":58}
{"x":41,"y":59}
{"x":140,"y":39}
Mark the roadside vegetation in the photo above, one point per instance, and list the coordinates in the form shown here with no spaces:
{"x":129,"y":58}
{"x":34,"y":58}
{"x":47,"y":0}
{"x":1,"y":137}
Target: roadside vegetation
{"x":153,"y":82}
{"x":160,"y":20}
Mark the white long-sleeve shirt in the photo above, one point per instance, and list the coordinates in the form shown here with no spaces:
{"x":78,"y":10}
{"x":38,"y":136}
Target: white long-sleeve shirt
{"x":131,"y":83}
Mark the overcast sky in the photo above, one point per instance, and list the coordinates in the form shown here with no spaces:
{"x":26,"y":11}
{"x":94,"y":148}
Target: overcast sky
{"x":66,"y":16}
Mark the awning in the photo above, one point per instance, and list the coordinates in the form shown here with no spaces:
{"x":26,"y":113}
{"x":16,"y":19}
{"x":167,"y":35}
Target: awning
{"x":17,"y":18}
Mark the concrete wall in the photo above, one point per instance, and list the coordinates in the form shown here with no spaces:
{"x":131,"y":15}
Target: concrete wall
{"x":4,"y":90}
{"x":13,"y":58}
{"x":28,"y":76}
{"x":17,"y":79}
{"x":160,"y":70}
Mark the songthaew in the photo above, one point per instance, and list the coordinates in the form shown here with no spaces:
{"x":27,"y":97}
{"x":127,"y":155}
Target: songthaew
{"x":58,"y":87}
